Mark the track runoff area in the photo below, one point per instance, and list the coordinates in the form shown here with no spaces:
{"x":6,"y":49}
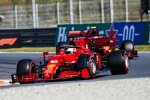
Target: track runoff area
{"x":131,"y":86}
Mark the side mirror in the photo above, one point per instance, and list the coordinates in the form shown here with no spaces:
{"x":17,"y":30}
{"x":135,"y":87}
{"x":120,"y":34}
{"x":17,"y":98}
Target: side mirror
{"x":45,"y":55}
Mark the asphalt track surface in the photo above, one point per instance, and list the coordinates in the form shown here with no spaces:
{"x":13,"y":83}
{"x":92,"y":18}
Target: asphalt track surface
{"x":139,"y":67}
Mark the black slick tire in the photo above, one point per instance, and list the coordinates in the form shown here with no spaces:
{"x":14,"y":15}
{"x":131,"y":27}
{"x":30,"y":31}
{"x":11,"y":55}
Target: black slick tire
{"x":127,"y":45}
{"x":25,"y":67}
{"x":85,"y":61}
{"x":118,"y":62}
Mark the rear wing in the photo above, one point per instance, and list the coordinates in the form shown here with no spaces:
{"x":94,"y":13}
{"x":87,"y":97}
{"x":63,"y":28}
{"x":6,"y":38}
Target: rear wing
{"x":72,"y":34}
{"x":86,"y":33}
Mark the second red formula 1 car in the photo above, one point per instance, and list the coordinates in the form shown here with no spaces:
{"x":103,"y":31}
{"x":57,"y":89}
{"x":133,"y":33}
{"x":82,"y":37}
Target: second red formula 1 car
{"x":85,"y":55}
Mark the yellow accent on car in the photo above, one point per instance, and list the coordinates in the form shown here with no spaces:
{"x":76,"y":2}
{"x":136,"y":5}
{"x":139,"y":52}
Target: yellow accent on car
{"x":93,"y":27}
{"x":51,"y":65}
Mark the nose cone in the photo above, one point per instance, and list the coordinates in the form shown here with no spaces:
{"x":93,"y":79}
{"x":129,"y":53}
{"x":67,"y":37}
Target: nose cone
{"x":49,"y":70}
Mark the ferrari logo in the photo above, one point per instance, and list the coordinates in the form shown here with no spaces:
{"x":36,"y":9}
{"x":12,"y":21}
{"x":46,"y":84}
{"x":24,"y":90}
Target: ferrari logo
{"x":54,"y":61}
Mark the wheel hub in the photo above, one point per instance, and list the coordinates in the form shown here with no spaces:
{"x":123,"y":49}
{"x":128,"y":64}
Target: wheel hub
{"x":93,"y":66}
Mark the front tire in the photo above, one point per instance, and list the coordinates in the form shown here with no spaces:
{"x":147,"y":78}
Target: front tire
{"x":25,"y":67}
{"x":85,"y":61}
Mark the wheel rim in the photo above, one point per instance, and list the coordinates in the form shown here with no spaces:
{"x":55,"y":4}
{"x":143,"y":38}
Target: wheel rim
{"x":126,"y":62}
{"x":93,"y":66}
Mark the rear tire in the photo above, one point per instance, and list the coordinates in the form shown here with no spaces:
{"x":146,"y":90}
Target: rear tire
{"x":127,"y":45}
{"x":84,"y":61}
{"x":118,"y":62}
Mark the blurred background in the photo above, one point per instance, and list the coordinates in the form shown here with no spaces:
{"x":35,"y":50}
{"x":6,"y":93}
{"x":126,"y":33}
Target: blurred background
{"x":21,"y":14}
{"x":42,"y":23}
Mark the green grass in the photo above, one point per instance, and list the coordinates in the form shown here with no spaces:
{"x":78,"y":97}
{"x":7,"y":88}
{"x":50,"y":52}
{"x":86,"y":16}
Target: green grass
{"x":52,"y":49}
{"x":29,"y":49}
{"x":143,"y":48}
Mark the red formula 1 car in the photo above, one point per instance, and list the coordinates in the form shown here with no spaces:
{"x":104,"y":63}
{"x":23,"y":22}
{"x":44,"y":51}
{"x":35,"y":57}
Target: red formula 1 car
{"x":85,"y":55}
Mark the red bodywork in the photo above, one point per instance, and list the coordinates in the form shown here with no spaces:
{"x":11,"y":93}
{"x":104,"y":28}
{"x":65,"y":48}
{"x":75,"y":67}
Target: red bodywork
{"x":65,"y":61}
{"x":84,"y":43}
